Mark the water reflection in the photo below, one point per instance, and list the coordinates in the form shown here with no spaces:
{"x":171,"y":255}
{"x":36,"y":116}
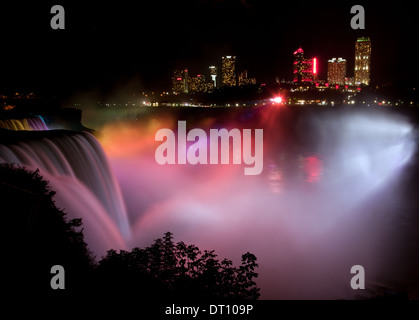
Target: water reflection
{"x":313,"y":168}
{"x":289,"y":170}
{"x":276,"y":179}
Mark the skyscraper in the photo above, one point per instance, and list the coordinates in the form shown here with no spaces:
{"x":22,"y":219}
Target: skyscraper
{"x":228,"y":71}
{"x":362,"y":60}
{"x":197,"y":84}
{"x":336,"y":71}
{"x":186,"y":80}
{"x":304,"y":69}
{"x":180,"y":81}
{"x":213,"y":73}
{"x":244,"y":80}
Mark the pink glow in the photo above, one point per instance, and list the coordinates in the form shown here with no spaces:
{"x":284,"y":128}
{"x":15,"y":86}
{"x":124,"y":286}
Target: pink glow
{"x":310,"y":215}
{"x":299,"y":206}
{"x":277,"y":100}
{"x":299,"y":50}
{"x":313,"y":168}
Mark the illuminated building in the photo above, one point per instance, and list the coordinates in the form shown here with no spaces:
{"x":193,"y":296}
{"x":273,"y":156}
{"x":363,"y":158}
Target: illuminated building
{"x":305,"y":70}
{"x":244,"y":80}
{"x":180,"y":81}
{"x":228,"y":71}
{"x":349,"y":81}
{"x":336,"y":71}
{"x":209,"y":86}
{"x":213,"y":73}
{"x":186,"y":80}
{"x":362,"y":61}
{"x":197,"y":84}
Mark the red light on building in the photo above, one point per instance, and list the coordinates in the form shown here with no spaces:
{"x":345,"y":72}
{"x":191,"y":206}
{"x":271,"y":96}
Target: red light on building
{"x":326,"y":84}
{"x":359,"y":89}
{"x":178,"y":79}
{"x":299,"y":50}
{"x":314,"y":65}
{"x":317,"y":84}
{"x":337,"y":86}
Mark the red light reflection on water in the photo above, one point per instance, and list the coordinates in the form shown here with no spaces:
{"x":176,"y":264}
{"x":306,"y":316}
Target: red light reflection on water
{"x":313,"y":168}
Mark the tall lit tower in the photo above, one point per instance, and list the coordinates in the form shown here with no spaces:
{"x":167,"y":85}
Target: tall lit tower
{"x":362,"y":60}
{"x":186,"y":81}
{"x":228,"y":71}
{"x":180,"y":81}
{"x":305,"y":70}
{"x":336,"y":71}
{"x":213,"y":73}
{"x":298,"y":65}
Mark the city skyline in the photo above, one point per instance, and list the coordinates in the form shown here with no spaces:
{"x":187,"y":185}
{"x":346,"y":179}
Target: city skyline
{"x":106,"y":47}
{"x":305,"y":70}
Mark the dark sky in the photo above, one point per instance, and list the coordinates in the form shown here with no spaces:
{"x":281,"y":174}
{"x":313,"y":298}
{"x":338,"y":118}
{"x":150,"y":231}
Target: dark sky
{"x":137,"y":44}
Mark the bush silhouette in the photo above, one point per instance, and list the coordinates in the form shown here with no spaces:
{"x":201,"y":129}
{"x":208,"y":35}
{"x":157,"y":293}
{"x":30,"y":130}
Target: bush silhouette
{"x":39,"y":236}
{"x":169,"y":270}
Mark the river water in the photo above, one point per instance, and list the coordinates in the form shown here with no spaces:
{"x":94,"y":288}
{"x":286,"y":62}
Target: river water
{"x":336,"y":190}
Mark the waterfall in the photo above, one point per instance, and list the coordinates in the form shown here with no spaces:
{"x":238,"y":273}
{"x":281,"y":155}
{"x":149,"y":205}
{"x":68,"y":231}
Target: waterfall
{"x":77,"y":168}
{"x":35,"y":123}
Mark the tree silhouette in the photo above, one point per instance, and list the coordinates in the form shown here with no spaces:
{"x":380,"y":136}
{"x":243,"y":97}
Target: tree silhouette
{"x":179,"y":271}
{"x":39,"y":236}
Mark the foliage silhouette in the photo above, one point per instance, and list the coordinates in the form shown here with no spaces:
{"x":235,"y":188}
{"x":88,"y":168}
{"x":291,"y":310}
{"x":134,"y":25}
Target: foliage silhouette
{"x":180,"y":271}
{"x":39,"y":236}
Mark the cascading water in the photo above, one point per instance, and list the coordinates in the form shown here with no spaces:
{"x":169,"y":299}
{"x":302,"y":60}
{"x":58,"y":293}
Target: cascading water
{"x":77,"y":168}
{"x":37,"y":123}
{"x":27,"y":124}
{"x":15,"y":124}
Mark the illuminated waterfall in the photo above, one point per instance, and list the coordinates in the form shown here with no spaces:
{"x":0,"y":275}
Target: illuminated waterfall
{"x":77,"y":168}
{"x":28,"y":124}
{"x":37,"y":123}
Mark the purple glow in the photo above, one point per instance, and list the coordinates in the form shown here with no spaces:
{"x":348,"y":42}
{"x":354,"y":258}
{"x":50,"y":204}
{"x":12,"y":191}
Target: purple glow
{"x":302,"y":218}
{"x":312,"y":213}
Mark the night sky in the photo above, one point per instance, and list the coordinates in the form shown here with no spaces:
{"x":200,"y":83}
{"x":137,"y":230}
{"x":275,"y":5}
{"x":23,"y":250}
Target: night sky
{"x":137,"y":44}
